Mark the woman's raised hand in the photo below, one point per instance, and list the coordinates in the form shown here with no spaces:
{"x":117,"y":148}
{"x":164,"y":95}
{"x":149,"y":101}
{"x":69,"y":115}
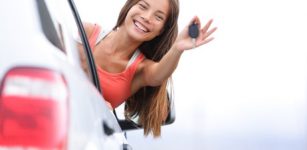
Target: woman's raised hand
{"x":185,"y":42}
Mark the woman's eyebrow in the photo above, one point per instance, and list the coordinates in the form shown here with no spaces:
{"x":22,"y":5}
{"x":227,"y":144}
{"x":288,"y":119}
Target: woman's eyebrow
{"x":161,"y":12}
{"x":144,"y":2}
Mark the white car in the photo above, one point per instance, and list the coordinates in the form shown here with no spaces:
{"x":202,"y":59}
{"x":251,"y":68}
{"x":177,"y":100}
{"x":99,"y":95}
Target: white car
{"x":46,"y":100}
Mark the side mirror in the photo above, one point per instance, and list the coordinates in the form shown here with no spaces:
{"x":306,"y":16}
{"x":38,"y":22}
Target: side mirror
{"x":126,"y":124}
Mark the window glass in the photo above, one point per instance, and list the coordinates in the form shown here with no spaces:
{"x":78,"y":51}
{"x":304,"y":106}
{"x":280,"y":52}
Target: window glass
{"x":68,"y":32}
{"x":51,"y":28}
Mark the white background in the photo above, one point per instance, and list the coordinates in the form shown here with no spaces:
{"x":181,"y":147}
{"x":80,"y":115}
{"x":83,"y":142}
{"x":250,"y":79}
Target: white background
{"x":246,"y":90}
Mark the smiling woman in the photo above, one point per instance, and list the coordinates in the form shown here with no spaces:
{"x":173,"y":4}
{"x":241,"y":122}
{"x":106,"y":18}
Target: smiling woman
{"x":135,"y":60}
{"x":248,"y":89}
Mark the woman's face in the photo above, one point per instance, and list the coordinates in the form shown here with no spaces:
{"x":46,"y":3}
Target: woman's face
{"x":145,"y":20}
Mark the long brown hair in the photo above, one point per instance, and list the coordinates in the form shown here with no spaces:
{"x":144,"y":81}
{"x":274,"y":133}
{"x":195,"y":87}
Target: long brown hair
{"x":150,"y":104}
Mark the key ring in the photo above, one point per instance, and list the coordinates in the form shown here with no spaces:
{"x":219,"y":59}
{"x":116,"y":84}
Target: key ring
{"x":194,"y":42}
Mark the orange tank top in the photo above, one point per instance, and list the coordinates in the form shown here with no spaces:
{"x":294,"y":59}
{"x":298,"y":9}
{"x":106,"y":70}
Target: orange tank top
{"x":116,"y":87}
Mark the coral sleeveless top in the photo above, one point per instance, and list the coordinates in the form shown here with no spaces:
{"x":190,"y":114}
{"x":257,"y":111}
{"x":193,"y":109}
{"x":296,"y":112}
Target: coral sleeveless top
{"x":116,"y":87}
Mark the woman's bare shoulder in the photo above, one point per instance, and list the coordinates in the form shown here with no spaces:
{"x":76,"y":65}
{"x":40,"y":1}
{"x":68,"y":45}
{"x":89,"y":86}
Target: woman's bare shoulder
{"x":89,"y":28}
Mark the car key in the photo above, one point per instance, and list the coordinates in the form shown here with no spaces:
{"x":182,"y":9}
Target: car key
{"x":193,"y":33}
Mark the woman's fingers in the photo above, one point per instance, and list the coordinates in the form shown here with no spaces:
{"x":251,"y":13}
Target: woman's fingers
{"x":206,"y":41}
{"x":207,"y":34}
{"x":207,"y":26}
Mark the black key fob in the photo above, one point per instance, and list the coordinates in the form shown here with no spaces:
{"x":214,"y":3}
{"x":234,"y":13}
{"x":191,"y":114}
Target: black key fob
{"x":193,"y":31}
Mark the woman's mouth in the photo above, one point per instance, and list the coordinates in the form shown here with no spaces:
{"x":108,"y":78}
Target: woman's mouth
{"x":141,"y":26}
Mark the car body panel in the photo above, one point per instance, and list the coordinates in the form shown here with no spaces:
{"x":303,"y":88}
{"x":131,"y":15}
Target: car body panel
{"x":24,"y":44}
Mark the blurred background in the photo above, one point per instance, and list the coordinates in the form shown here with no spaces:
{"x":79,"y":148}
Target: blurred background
{"x":246,"y":90}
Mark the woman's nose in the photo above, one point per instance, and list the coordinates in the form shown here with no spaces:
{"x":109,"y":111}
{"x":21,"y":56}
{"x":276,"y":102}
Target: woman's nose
{"x":146,"y":16}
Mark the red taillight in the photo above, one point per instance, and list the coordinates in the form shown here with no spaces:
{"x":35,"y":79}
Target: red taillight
{"x":33,"y":109}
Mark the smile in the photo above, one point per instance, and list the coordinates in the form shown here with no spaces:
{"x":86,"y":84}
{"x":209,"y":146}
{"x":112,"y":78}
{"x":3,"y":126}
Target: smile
{"x":141,"y":26}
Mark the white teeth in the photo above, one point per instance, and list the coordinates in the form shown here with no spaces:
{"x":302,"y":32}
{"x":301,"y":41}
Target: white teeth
{"x":140,"y":26}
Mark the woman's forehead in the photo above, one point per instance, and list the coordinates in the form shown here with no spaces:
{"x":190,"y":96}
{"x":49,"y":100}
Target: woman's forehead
{"x":158,"y":5}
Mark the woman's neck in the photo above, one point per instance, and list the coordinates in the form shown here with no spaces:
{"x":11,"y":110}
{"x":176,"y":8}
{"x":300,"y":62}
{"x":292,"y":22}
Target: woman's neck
{"x":124,"y":46}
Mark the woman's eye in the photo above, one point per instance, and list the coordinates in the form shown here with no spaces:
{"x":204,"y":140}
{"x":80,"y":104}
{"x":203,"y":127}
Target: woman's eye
{"x":159,"y":18}
{"x":142,"y":6}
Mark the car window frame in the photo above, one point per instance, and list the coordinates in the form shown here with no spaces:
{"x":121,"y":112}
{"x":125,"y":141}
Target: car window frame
{"x":88,"y":52}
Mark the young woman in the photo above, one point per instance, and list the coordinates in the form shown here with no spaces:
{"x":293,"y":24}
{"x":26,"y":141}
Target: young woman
{"x":136,"y":59}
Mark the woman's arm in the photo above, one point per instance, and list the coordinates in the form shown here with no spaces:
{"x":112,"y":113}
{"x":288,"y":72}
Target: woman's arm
{"x":154,"y":73}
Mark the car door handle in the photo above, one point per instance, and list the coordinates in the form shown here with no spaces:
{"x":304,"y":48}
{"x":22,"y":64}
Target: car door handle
{"x":126,"y":147}
{"x":107,"y":129}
